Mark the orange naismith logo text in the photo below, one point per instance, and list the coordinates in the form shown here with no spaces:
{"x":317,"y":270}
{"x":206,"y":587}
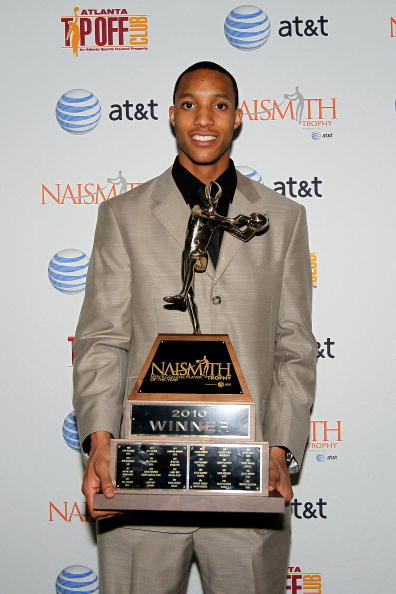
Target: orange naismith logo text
{"x":85,"y":193}
{"x":392,"y":27}
{"x":106,"y":29}
{"x":314,"y":268}
{"x":308,"y":111}
{"x":325,"y":434}
{"x":68,"y":511}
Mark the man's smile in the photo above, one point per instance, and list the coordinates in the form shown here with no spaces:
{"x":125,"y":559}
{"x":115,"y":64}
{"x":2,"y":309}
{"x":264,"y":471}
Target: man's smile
{"x":203,"y":138}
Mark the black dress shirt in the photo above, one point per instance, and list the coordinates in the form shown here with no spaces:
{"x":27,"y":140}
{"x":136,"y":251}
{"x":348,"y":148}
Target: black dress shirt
{"x":192,"y":189}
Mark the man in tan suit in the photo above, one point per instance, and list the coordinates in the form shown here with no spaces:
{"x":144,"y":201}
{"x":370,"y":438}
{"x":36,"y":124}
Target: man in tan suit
{"x":257,"y":292}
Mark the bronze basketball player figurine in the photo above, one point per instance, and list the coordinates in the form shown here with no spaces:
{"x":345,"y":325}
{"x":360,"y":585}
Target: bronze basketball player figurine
{"x":201,"y":225}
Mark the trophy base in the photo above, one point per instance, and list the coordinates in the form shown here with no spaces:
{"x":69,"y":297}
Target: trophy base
{"x":186,"y":468}
{"x":273,"y":504}
{"x":189,"y":435}
{"x":191,"y":477}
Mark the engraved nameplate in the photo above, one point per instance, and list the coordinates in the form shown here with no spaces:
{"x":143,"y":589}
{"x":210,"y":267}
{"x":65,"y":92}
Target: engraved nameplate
{"x":228,"y":467}
{"x":231,"y":468}
{"x":206,"y":420}
{"x":151,"y":466}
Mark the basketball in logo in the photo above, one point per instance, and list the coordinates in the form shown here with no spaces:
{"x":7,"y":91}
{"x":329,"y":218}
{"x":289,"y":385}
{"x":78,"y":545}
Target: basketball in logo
{"x":247,"y":27}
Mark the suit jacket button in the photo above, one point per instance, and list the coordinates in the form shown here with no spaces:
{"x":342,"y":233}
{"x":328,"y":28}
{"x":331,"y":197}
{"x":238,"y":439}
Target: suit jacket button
{"x":216,"y":300}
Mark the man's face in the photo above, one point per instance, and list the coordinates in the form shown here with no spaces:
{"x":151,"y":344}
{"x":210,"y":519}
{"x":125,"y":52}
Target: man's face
{"x":204,"y":118}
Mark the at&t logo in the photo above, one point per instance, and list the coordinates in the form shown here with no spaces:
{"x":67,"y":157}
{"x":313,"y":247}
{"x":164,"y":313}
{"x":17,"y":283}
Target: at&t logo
{"x":318,"y":135}
{"x":299,"y":582}
{"x":299,"y":188}
{"x":78,"y":111}
{"x":70,"y":432}
{"x":134,"y":111}
{"x":304,"y":28}
{"x":308,"y":510}
{"x":248,"y":27}
{"x":326,"y":458}
{"x":326,"y":350}
{"x":250,"y":173}
{"x":77,"y":578}
{"x":67,"y":271}
{"x":105,"y":29}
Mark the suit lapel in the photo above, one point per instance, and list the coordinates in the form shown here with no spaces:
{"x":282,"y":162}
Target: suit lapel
{"x":243,"y":203}
{"x":172,"y":212}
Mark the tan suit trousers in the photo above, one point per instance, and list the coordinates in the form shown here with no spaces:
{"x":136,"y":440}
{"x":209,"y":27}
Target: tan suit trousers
{"x":230,"y":560}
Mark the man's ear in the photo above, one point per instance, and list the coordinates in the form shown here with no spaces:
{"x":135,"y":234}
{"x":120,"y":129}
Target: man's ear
{"x":238,"y":118}
{"x":172,"y":115}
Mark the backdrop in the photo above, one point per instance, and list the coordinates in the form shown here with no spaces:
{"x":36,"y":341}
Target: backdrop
{"x":84,"y":118}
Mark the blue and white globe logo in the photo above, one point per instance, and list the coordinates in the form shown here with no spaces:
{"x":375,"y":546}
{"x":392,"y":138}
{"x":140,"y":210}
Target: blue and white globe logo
{"x":67,"y":271}
{"x":77,"y":578}
{"x":78,"y":111}
{"x":316,"y":135}
{"x":70,"y":432}
{"x":250,"y":173}
{"x":247,"y":27}
{"x":321,"y":457}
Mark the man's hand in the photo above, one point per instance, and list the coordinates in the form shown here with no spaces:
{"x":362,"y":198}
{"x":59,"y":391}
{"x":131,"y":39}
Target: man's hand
{"x":97,"y":475}
{"x":279,"y":477}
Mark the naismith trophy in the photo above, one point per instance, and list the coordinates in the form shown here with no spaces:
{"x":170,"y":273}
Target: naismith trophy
{"x":189,"y":423}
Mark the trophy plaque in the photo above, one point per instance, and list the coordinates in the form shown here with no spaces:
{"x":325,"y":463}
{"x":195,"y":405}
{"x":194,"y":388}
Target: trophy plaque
{"x":189,"y":423}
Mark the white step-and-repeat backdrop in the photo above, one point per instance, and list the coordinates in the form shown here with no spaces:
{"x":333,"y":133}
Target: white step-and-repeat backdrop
{"x":318,"y":95}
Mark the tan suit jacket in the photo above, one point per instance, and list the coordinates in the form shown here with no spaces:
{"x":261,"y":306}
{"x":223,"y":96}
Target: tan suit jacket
{"x":265,"y":305}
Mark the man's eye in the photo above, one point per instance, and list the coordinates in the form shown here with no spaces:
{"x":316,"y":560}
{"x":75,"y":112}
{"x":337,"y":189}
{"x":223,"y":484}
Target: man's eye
{"x":188,"y":105}
{"x":221,"y":106}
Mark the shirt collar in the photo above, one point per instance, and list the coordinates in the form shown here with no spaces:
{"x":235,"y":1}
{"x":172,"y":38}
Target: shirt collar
{"x":188,"y":184}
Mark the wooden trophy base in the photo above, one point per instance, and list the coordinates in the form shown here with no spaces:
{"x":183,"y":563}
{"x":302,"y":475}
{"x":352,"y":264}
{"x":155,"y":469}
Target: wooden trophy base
{"x":189,"y":434}
{"x":213,"y":476}
{"x":192,"y":503}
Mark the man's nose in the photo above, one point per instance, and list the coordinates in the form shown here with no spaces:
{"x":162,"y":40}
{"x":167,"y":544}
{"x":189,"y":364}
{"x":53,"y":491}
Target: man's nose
{"x":204,"y":117}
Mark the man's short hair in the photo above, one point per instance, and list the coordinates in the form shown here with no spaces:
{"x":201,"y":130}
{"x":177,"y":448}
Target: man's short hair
{"x":209,"y":66}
